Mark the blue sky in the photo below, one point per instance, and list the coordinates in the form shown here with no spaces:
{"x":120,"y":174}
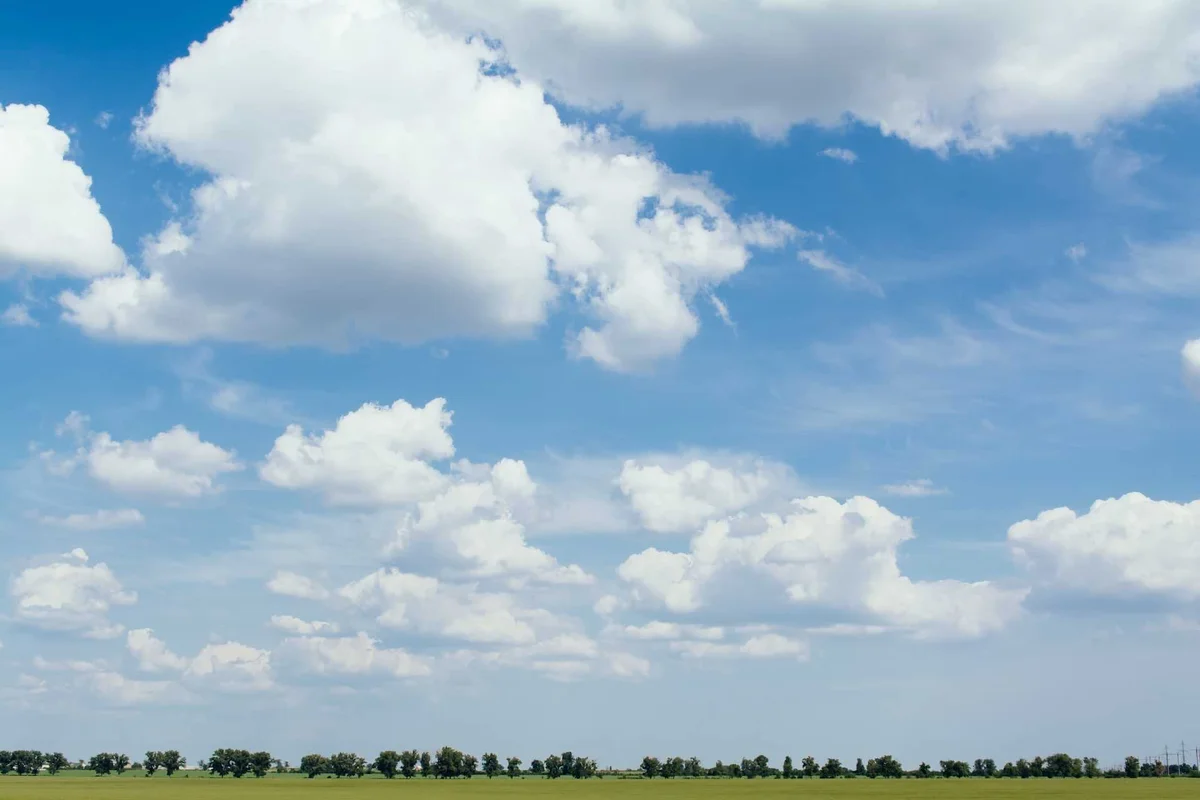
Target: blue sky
{"x":700,"y":347}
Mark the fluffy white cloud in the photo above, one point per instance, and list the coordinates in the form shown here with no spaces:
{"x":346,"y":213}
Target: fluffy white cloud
{"x":407,"y":601}
{"x":49,"y":222}
{"x":102,"y":519}
{"x":354,"y":655}
{"x":290,"y":584}
{"x":667,"y":631}
{"x":70,"y":595}
{"x":374,"y":455}
{"x":826,"y":554}
{"x":230,"y":665}
{"x":378,"y":456}
{"x":352,"y":200}
{"x":1126,"y":545}
{"x":680,"y":499}
{"x":937,"y":74}
{"x":1191,"y":363}
{"x":175,"y":463}
{"x":300,"y":627}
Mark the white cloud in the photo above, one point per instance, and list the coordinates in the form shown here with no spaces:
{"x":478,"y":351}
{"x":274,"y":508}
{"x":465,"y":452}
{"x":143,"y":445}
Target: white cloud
{"x":70,"y":595}
{"x":824,"y":554}
{"x":231,"y":666}
{"x":922,"y":487}
{"x":122,"y":691}
{"x":657,"y":630}
{"x":300,"y":627}
{"x":767,"y":645}
{"x":847,"y":276}
{"x":355,"y":655}
{"x":973,"y":75}
{"x":104,"y":119}
{"x":17,"y":316}
{"x":840,"y":154}
{"x":1191,"y":363}
{"x":49,"y":222}
{"x":374,"y":455}
{"x":175,"y":463}
{"x":102,"y":519}
{"x":670,"y":500}
{"x":1126,"y":545}
{"x":1077,"y":252}
{"x":350,"y":201}
{"x":290,"y":584}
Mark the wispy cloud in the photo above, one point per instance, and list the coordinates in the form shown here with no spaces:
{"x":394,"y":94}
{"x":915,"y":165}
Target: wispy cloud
{"x":1077,"y":252}
{"x":848,"y":276}
{"x":922,"y":487}
{"x":103,"y":519}
{"x":104,"y":119}
{"x":17,"y":316}
{"x":840,"y":154}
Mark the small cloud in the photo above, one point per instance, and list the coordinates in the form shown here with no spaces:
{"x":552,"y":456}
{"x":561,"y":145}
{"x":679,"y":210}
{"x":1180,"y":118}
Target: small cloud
{"x":103,"y":519}
{"x":840,"y":154}
{"x":1077,"y":252}
{"x":721,"y":309}
{"x":439,"y":352}
{"x":848,"y":276}
{"x":17,"y":316}
{"x":1191,"y":363}
{"x":103,"y":119}
{"x":922,"y":487}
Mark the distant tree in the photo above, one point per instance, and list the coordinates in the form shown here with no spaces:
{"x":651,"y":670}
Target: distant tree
{"x":955,"y":769}
{"x":514,"y":767}
{"x":809,"y":767}
{"x":55,"y":762}
{"x":859,"y":769}
{"x":239,"y":762}
{"x":748,"y":769}
{"x":280,"y":766}
{"x":314,"y":764}
{"x":120,"y":763}
{"x":152,"y":763}
{"x":386,"y":763}
{"x":984,"y":768}
{"x":651,"y":767}
{"x":671,"y":767}
{"x":789,"y":771}
{"x":568,"y":762}
{"x":832,"y":769}
{"x":554,"y":767}
{"x":102,"y":763}
{"x":491,"y":765}
{"x":1024,"y":768}
{"x":1037,"y":767}
{"x":1133,"y":767}
{"x":694,"y":769}
{"x":426,"y":765}
{"x":583,"y":768}
{"x":762,"y":766}
{"x":448,"y":763}
{"x":470,"y":765}
{"x":220,"y":763}
{"x":536,"y":767}
{"x":1091,"y":768}
{"x":6,"y":762}
{"x":409,"y":760}
{"x":1009,"y":770}
{"x":887,"y":767}
{"x":924,"y":771}
{"x":171,"y":762}
{"x":347,"y":765}
{"x":260,"y":763}
{"x":27,"y":762}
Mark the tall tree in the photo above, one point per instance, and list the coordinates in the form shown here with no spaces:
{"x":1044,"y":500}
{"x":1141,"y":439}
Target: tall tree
{"x":152,"y":763}
{"x":102,"y":763}
{"x":409,"y":760}
{"x":449,"y":763}
{"x":568,"y":762}
{"x":809,"y":767}
{"x":650,"y":767}
{"x":1133,"y":767}
{"x":924,"y":771}
{"x":426,"y":765}
{"x":536,"y":767}
{"x":514,"y":767}
{"x":554,"y":767}
{"x":314,"y":764}
{"x":55,"y":762}
{"x":120,"y":763}
{"x":171,"y":762}
{"x":832,"y":769}
{"x":470,"y":765}
{"x":386,"y":763}
{"x":491,"y":765}
{"x":260,"y":763}
{"x":859,"y":769}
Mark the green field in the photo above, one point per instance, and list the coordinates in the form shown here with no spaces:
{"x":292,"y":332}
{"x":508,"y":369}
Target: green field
{"x":132,"y":788}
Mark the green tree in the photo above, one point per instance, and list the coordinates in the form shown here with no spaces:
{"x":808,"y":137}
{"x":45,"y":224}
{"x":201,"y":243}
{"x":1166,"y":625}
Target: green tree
{"x":470,"y":765}
{"x":491,"y":765}
{"x":1024,"y":768}
{"x":120,"y":762}
{"x":314,"y":764}
{"x":1009,"y":770}
{"x":426,"y":765}
{"x":386,"y":763}
{"x":831,"y":769}
{"x":789,"y":771}
{"x":101,"y":763}
{"x":1037,"y":767}
{"x":1091,"y":768}
{"x":514,"y":767}
{"x":924,"y":771}
{"x":448,"y":763}
{"x":694,"y":769}
{"x":809,"y":767}
{"x":536,"y":767}
{"x":239,"y":762}
{"x":1133,"y":767}
{"x":55,"y":762}
{"x":554,"y":767}
{"x":152,"y":763}
{"x":260,"y":763}
{"x":171,"y":762}
{"x":568,"y":763}
{"x":762,"y":766}
{"x":409,"y":760}
{"x":651,"y":767}
{"x":955,"y":769}
{"x":583,"y":768}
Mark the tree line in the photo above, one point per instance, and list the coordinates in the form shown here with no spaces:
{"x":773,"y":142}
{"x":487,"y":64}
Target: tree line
{"x":449,"y":763}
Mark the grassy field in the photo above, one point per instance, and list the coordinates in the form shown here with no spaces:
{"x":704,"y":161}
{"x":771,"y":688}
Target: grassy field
{"x":132,"y":788}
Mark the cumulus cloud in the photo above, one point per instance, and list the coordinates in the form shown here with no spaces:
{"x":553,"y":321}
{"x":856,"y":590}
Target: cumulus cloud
{"x":382,"y":456}
{"x":290,"y":584}
{"x":350,"y":201}
{"x":70,"y":595}
{"x":102,"y":519}
{"x":49,"y":222}
{"x":231,"y":666}
{"x":300,"y":627}
{"x":671,"y":499}
{"x":354,"y":655}
{"x":822,"y":554}
{"x":938,"y":75}
{"x":1191,"y":363}
{"x":1121,"y":546}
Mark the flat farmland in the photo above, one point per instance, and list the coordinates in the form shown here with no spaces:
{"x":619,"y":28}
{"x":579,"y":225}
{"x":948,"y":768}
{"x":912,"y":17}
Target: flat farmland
{"x":281,"y":788}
